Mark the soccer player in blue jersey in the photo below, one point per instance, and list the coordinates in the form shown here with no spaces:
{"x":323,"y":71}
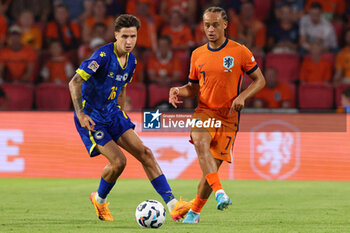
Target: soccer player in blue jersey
{"x":98,"y":94}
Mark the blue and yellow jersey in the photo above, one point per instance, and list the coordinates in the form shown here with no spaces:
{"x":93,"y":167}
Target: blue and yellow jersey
{"x":104,"y":78}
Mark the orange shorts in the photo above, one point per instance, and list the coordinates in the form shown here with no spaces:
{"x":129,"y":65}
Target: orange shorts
{"x":223,"y":138}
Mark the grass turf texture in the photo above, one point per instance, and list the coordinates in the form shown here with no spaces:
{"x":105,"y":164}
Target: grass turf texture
{"x":63,"y":205}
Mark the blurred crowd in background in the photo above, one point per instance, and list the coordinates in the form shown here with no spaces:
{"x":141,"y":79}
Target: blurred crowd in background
{"x":302,"y":47}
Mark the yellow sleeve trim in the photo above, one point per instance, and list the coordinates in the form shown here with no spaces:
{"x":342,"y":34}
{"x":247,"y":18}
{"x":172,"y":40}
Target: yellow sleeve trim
{"x":83,"y":74}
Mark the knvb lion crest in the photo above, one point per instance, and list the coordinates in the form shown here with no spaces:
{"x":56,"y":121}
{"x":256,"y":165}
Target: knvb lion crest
{"x":274,"y":150}
{"x":229,"y":62}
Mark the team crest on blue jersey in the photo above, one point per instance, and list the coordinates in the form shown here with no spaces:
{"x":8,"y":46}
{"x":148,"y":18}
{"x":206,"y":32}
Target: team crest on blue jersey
{"x":228,"y":62}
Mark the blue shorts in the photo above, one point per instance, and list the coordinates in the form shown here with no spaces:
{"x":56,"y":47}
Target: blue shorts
{"x":108,"y":129}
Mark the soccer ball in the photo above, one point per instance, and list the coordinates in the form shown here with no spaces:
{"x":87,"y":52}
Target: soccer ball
{"x":150,"y":214}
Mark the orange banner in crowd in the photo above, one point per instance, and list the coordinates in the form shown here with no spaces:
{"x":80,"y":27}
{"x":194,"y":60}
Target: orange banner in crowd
{"x":46,"y":144}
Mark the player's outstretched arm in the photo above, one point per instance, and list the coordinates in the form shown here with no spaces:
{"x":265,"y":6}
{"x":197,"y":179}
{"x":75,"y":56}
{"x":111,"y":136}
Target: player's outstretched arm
{"x":255,"y":87}
{"x":186,"y":91}
{"x":76,"y":94}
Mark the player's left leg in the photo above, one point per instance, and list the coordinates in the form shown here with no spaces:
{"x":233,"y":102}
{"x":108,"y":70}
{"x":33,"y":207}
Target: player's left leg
{"x":203,"y":193}
{"x":131,"y":142}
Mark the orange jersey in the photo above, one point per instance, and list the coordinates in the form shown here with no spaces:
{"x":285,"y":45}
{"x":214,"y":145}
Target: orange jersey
{"x":91,"y":21}
{"x":57,"y":70}
{"x":33,"y":38}
{"x":343,"y":61}
{"x":219,"y":73}
{"x":312,"y":72}
{"x":52,"y":31}
{"x":328,"y":6}
{"x":16,"y":62}
{"x":179,"y":37}
{"x":148,"y":31}
{"x":131,"y":6}
{"x":274,"y":97}
{"x":164,"y":67}
{"x":180,"y":5}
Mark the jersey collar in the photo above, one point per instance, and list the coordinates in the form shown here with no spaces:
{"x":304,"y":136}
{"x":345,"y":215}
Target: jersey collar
{"x":116,"y":54}
{"x":218,"y":49}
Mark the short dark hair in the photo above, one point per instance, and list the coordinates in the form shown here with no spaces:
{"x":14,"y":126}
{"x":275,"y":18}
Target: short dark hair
{"x":316,"y":5}
{"x":216,"y":9}
{"x":96,"y":25}
{"x":61,"y":5}
{"x":167,"y":38}
{"x":346,"y":93}
{"x":126,"y":21}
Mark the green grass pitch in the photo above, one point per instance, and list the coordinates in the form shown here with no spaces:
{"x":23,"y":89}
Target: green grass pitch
{"x":63,"y":205}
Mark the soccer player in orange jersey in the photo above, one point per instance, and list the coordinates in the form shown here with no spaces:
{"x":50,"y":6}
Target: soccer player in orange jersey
{"x":215,"y":78}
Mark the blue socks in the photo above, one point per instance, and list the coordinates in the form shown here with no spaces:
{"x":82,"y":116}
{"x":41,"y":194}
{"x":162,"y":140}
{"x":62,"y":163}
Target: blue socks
{"x":104,"y":188}
{"x":161,"y":185}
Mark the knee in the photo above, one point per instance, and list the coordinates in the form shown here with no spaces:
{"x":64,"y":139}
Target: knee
{"x":146,"y":155}
{"x":201,"y":144}
{"x":118,"y":164}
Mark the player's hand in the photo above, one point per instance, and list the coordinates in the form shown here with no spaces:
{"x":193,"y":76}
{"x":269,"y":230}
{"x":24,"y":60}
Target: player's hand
{"x":173,"y":96}
{"x":237,"y":104}
{"x":86,"y":122}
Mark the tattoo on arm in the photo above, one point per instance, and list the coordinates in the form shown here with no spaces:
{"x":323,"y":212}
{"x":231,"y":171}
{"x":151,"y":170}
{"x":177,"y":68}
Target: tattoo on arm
{"x":76,"y":93}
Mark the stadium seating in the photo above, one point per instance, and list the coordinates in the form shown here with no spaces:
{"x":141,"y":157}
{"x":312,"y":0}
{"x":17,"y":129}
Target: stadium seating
{"x":338,"y":90}
{"x":21,"y":96}
{"x":315,"y":96}
{"x":262,"y":9}
{"x":157,"y":94}
{"x":286,"y":64}
{"x":330,"y":57}
{"x":137,"y":94}
{"x":51,"y":96}
{"x":292,"y":89}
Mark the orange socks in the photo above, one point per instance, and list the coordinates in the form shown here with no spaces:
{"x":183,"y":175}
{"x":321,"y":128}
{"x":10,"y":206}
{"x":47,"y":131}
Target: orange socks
{"x":198,"y":204}
{"x":214,"y":181}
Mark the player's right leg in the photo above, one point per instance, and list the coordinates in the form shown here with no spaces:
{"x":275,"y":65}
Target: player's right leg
{"x":110,"y":174}
{"x":202,"y":140}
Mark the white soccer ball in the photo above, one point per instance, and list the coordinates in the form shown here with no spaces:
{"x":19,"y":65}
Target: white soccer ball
{"x":150,"y":214}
